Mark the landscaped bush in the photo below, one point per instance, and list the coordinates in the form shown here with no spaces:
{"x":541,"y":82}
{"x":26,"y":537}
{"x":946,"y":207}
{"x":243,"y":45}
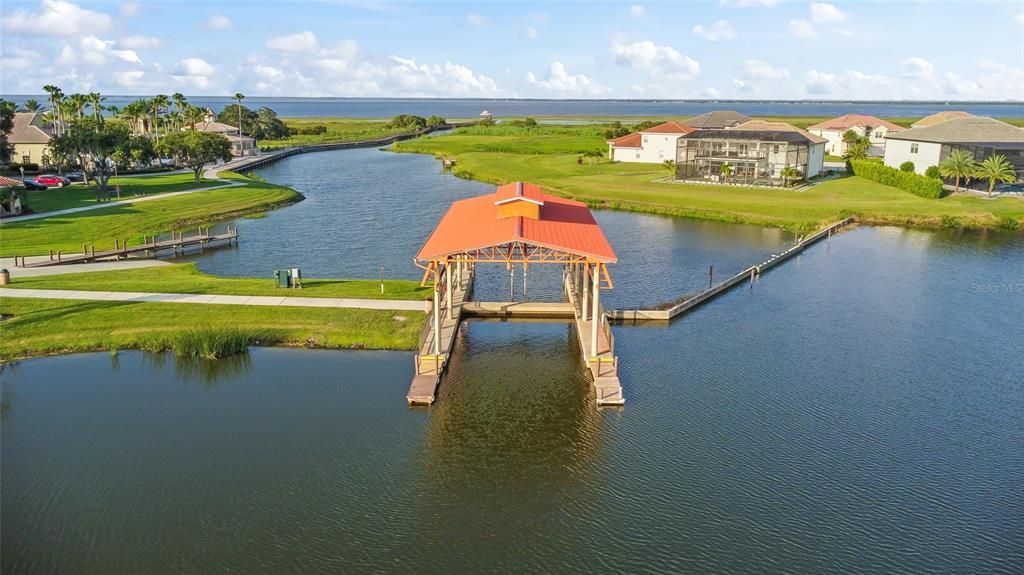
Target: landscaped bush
{"x":906,"y":181}
{"x":28,"y":166}
{"x":933,"y":172}
{"x":907,"y":166}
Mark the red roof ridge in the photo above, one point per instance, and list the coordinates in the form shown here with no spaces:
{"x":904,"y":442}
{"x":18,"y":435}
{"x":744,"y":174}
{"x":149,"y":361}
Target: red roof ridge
{"x":670,"y":127}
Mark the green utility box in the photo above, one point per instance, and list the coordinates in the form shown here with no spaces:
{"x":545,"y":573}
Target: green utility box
{"x":283,"y":278}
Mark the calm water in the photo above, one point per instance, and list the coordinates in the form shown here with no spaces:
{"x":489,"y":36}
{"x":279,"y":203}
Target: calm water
{"x":858,"y":411}
{"x":471,"y":108}
{"x":366,"y":209}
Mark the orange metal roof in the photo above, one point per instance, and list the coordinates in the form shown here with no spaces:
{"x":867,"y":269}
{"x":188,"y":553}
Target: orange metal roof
{"x":627,"y":141}
{"x":851,"y":120}
{"x":473,"y":223}
{"x":672,"y":127}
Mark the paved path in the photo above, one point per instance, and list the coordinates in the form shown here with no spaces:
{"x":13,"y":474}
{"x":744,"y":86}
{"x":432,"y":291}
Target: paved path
{"x":64,"y":212}
{"x":105,"y":266}
{"x":274,"y":301}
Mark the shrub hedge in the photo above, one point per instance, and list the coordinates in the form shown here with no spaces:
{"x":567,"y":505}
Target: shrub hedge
{"x":906,"y":181}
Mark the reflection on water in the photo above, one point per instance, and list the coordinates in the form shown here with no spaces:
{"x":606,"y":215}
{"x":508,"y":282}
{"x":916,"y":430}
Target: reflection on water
{"x":857,"y":411}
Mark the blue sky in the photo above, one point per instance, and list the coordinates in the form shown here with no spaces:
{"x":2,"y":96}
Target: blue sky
{"x":722,"y":48}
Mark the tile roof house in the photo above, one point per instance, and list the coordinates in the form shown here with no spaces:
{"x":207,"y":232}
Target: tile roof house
{"x":717,"y":120}
{"x":930,"y":145}
{"x":875,"y":129}
{"x":241,"y":145}
{"x":756,"y":151}
{"x":653,"y":145}
{"x":938,"y":118}
{"x":30,"y":138}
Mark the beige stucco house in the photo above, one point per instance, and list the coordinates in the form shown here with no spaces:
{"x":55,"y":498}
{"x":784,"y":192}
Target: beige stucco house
{"x":30,"y":138}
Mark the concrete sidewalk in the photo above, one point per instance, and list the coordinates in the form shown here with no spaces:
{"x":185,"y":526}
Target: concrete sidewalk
{"x":274,"y":301}
{"x":104,"y":266}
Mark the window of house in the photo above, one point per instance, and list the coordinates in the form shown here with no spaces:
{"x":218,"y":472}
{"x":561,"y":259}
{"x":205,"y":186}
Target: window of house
{"x":775,"y":149}
{"x":26,"y":159}
{"x":913,"y":148}
{"x":878,"y":135}
{"x":645,"y":139}
{"x":638,"y":154}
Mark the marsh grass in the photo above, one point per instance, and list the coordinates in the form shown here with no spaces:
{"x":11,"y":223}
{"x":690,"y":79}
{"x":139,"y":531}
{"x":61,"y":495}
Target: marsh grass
{"x":212,"y":343}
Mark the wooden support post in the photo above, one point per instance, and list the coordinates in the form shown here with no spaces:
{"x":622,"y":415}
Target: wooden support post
{"x":15,"y":260}
{"x":92,"y":250}
{"x":524,"y":281}
{"x":58,"y":256}
{"x":51,"y":255}
{"x":511,"y":282}
{"x":85,"y":250}
{"x":117,"y":244}
{"x":586,"y":291}
{"x":752,"y":278}
{"x":711,"y":275}
{"x":437,"y":319}
{"x":448,"y":287}
{"x":594,"y":320}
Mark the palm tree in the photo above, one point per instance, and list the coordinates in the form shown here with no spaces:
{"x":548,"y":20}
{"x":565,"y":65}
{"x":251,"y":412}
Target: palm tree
{"x":55,"y":100}
{"x":31,"y":105}
{"x":789,"y":173}
{"x":995,"y":168}
{"x":726,"y":171}
{"x":96,"y":101}
{"x":959,"y":164}
{"x":77,"y":102}
{"x":239,"y":96}
{"x":669,"y":165}
{"x":160,"y":103}
{"x":194,"y":115}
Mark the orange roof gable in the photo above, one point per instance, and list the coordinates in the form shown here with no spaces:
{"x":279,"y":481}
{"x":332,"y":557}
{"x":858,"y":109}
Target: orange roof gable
{"x":627,"y":141}
{"x":850,"y":120}
{"x":476,"y":223}
{"x":669,"y":128}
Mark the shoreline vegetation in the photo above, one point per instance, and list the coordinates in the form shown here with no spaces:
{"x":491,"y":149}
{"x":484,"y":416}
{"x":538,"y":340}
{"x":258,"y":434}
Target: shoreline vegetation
{"x":552,"y":155}
{"x":40,"y":327}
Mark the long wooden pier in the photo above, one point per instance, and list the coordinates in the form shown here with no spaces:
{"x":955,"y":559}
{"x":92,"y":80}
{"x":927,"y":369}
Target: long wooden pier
{"x":149,"y":247}
{"x":598,"y":355}
{"x":747,"y":274}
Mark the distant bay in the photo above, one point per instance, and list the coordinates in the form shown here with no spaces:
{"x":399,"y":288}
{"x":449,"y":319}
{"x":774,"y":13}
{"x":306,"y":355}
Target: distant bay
{"x":469,"y":108}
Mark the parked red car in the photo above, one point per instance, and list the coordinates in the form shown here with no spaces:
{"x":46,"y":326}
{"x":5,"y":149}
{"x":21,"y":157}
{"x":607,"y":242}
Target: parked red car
{"x":51,"y":180}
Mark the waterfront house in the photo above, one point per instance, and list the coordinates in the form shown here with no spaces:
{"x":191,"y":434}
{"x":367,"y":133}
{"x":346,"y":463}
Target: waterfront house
{"x":241,"y":145}
{"x":30,"y":138}
{"x":717,"y":120}
{"x":486,"y":116}
{"x":653,"y":145}
{"x":875,"y":129}
{"x":981,"y":136}
{"x":757,"y":152}
{"x":939,"y":118}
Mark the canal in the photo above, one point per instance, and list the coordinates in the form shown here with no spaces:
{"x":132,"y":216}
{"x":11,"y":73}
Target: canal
{"x":857,"y":411}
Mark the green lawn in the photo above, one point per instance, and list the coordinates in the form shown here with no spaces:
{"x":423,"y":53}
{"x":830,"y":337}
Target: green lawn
{"x":511,"y":154}
{"x":185,"y":278}
{"x":132,"y":221}
{"x":338,"y":130}
{"x":131,"y":187}
{"x":40,"y":327}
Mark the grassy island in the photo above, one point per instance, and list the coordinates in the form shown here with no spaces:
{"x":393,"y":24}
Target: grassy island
{"x":549,"y":155}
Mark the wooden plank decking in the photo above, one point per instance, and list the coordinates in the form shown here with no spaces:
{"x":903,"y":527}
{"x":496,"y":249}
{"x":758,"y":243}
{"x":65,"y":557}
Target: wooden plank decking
{"x":429,"y":365}
{"x":150,"y":246}
{"x":604,"y":367}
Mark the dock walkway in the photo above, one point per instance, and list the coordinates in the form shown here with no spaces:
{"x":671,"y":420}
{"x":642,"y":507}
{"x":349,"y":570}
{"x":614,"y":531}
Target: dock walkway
{"x":150,"y":246}
{"x":435,"y":350}
{"x":603,"y":366}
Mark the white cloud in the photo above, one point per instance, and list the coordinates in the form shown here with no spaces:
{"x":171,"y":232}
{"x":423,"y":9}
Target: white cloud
{"x":819,"y":83}
{"x":802,"y":29}
{"x":954,"y":85}
{"x":19,"y":58}
{"x":1019,"y":17}
{"x":661,"y":61}
{"x":217,"y":22}
{"x":93,"y":51}
{"x":561,"y":81}
{"x":423,"y":80}
{"x":746,"y":3}
{"x":130,"y":9}
{"x":637,"y":11}
{"x":194,"y":67}
{"x":712,"y":93}
{"x":129,"y":78}
{"x":298,"y":42}
{"x":532,"y":33}
{"x":917,"y":67}
{"x":475,"y":20}
{"x":140,"y":42}
{"x":720,"y":30}
{"x":758,"y":70}
{"x":539,"y":18}
{"x":56,"y":18}
{"x":823,"y":13}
